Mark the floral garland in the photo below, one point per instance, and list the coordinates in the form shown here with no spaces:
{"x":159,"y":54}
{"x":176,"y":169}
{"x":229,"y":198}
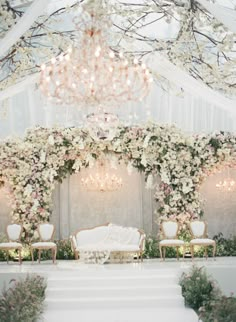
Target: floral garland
{"x":30,"y":167}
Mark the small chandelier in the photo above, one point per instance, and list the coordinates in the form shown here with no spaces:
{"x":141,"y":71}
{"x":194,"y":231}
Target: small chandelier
{"x":102,"y":182}
{"x":227,"y":185}
{"x":90,"y":73}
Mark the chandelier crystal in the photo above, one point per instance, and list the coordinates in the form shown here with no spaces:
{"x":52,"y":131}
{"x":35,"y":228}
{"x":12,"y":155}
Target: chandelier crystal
{"x":227,"y":185}
{"x":90,"y":73}
{"x":102,"y":126}
{"x":102,"y":182}
{"x":102,"y":179}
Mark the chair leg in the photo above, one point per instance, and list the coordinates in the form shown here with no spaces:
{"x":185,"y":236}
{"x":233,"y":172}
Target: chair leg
{"x":184,"y":251}
{"x":205,"y":252}
{"x":76,"y":255}
{"x":160,"y":252}
{"x":32,"y":254}
{"x":39,"y":255}
{"x":177,"y":252}
{"x":7,"y":256}
{"x":54,"y":255}
{"x":214,"y":251}
{"x":192,"y":251}
{"x":164,"y":253}
{"x":20,"y":258}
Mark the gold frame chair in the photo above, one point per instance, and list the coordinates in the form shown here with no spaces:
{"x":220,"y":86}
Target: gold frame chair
{"x":45,"y":243}
{"x":13,"y":243}
{"x":200,"y":238}
{"x":170,"y":240}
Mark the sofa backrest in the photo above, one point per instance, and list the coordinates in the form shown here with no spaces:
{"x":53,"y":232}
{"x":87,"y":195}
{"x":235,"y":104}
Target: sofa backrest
{"x":109,"y":234}
{"x":92,"y":236}
{"x":124,"y":235}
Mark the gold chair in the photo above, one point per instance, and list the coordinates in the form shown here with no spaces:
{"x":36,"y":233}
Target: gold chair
{"x":169,"y":231}
{"x":46,"y":233}
{"x":13,"y":232}
{"x":198,"y":230}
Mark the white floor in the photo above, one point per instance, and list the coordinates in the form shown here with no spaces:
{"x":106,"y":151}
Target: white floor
{"x":147,"y":291}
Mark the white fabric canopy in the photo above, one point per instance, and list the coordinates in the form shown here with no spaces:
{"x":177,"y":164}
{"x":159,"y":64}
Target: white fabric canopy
{"x":160,"y":65}
{"x":29,"y":17}
{"x":224,"y":15}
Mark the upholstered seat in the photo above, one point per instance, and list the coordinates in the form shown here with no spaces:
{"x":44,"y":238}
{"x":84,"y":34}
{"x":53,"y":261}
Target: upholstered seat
{"x":13,"y":233}
{"x":169,"y":231}
{"x":10,"y":245}
{"x":202,"y":241}
{"x":112,"y":248}
{"x":44,"y":244}
{"x":108,"y":238}
{"x":198,"y":230}
{"x":172,"y":242}
{"x":46,"y":233}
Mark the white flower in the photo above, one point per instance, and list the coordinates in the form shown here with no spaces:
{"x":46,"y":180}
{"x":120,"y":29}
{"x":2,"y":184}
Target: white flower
{"x":43,"y":156}
{"x":144,"y":160}
{"x":146,"y":141}
{"x":164,"y":177}
{"x":51,"y":140}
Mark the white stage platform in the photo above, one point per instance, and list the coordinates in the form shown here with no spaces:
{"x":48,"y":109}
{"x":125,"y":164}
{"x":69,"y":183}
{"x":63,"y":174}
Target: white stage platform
{"x":147,"y":291}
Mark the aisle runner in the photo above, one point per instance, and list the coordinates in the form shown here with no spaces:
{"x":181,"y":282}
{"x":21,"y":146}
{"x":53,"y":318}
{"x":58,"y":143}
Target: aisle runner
{"x":116,"y":293}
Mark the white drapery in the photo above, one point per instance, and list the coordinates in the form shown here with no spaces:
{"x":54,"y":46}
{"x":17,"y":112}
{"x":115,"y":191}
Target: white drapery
{"x":191,"y":114}
{"x":160,"y":65}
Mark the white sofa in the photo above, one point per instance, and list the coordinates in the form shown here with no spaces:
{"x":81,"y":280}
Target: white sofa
{"x":107,"y":239}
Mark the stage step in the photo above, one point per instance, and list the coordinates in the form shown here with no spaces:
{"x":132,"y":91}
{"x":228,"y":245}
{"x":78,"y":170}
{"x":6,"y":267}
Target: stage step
{"x":118,"y":294}
{"x":115,"y":280}
{"x":114,"y":302}
{"x":123,"y":315}
{"x":117,"y":291}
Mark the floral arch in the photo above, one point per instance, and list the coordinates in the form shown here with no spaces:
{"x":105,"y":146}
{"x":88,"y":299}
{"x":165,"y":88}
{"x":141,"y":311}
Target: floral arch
{"x":30,"y":166}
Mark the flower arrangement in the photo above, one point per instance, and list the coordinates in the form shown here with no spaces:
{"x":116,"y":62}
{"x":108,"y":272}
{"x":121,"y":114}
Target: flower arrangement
{"x":202,"y":294}
{"x":30,"y":167}
{"x":198,"y":289}
{"x":23,"y":300}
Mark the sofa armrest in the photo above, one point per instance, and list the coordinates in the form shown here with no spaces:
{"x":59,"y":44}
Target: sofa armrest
{"x":73,"y":243}
{"x":142,"y":242}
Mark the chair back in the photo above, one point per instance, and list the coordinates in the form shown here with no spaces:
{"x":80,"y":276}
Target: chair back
{"x":198,"y":228}
{"x":14,"y":232}
{"x":170,"y":229}
{"x":46,"y":231}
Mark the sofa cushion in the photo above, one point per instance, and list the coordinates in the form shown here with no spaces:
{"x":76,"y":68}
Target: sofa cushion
{"x":112,"y":247}
{"x":123,"y":235}
{"x":92,"y":236}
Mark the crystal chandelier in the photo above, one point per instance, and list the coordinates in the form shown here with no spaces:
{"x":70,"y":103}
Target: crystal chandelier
{"x":90,"y":73}
{"x":227,"y":185}
{"x":102,"y":180}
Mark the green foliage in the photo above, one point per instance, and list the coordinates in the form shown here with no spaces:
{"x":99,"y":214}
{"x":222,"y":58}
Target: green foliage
{"x":221,"y":310}
{"x":225,"y":247}
{"x":197,"y":288}
{"x":64,"y":251}
{"x":23,"y":301}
